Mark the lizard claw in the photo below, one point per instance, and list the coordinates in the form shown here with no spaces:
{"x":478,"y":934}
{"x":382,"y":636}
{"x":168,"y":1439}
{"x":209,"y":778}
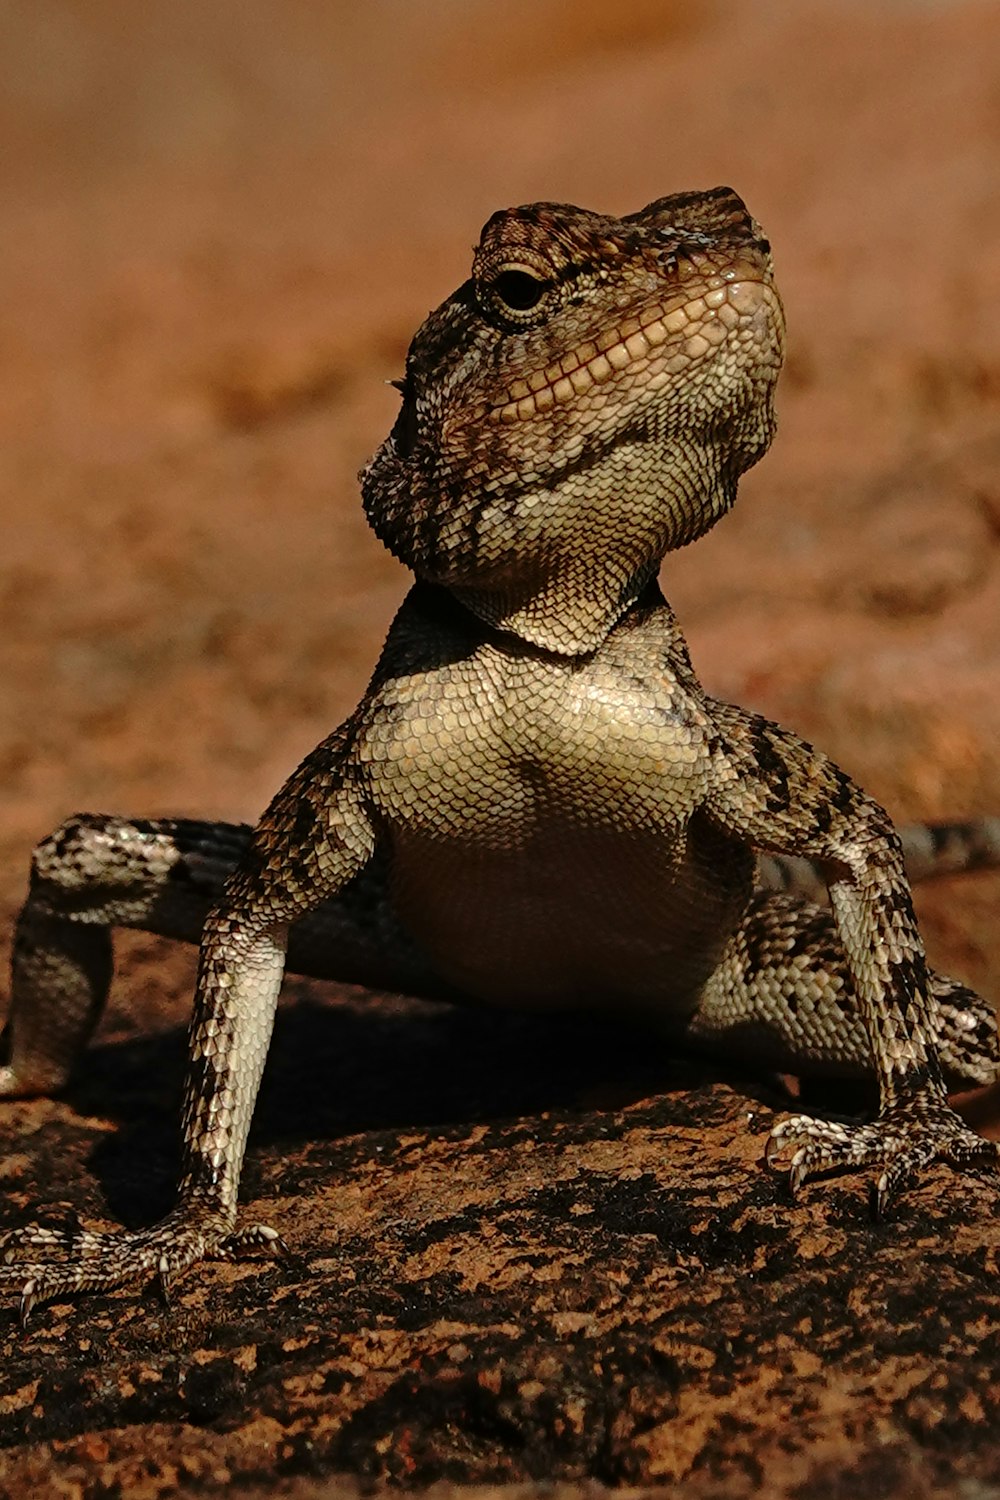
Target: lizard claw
{"x":252,"y":1237}
{"x":262,"y":1239}
{"x":902,"y":1141}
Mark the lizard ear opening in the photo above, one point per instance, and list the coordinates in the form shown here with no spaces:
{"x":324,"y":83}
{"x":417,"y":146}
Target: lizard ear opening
{"x":404,"y":430}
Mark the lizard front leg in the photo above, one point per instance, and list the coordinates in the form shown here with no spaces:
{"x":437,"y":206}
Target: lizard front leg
{"x":315,"y":836}
{"x":782,"y":796}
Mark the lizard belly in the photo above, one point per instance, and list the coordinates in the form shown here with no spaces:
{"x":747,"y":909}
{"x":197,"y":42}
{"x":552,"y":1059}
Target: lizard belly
{"x":571,"y":918}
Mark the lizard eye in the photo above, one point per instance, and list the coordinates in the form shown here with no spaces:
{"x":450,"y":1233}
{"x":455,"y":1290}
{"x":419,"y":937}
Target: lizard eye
{"x":517,"y":290}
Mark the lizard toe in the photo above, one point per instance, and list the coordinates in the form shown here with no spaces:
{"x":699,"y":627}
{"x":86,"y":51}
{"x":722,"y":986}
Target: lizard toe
{"x":900,"y":1143}
{"x":44,"y":1264}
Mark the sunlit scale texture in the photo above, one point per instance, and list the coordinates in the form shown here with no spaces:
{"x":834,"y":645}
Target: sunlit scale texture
{"x":535,"y":803}
{"x":651,"y":346}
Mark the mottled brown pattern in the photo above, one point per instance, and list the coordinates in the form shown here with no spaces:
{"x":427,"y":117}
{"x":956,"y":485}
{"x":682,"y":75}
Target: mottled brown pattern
{"x":535,"y":792}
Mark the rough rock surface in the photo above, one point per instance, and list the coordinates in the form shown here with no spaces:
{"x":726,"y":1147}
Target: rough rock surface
{"x":530,"y":1252}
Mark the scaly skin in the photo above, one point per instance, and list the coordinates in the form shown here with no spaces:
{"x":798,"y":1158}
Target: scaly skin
{"x":535,"y":803}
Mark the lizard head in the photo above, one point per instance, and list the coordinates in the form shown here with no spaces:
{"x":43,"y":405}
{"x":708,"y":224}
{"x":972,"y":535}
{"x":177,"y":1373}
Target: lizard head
{"x":583,"y":404}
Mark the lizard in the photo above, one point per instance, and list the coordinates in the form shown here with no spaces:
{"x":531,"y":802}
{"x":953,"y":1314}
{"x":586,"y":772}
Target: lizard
{"x":535,"y":803}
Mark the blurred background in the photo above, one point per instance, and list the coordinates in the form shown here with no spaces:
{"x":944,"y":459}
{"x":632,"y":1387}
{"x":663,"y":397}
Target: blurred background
{"x":222,"y":221}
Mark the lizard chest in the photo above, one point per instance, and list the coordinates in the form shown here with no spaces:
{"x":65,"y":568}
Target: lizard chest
{"x":507,"y":759}
{"x":541,"y":831}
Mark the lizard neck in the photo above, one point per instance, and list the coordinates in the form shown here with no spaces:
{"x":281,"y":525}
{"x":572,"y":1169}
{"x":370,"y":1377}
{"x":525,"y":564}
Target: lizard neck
{"x":566,"y":599}
{"x":445,"y":609}
{"x":557,"y":617}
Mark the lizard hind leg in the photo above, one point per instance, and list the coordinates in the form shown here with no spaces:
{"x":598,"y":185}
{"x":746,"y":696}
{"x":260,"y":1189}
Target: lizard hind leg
{"x":91,"y":874}
{"x":782,"y":993}
{"x":60,"y":977}
{"x":968,"y":1045}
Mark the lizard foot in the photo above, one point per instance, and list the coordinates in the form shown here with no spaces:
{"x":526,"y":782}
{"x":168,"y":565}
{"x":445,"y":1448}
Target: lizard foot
{"x":900,"y":1142}
{"x":45,"y":1263}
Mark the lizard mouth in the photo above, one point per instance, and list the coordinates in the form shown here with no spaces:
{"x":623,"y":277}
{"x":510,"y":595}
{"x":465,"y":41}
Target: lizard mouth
{"x":662,"y":341}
